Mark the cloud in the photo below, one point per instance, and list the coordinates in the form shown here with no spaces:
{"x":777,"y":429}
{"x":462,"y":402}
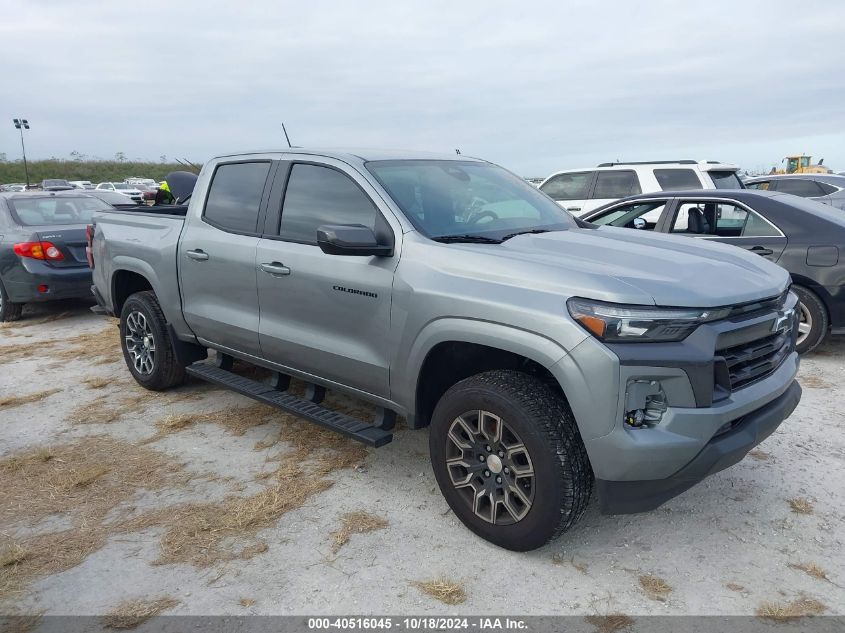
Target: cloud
{"x":534,"y":86}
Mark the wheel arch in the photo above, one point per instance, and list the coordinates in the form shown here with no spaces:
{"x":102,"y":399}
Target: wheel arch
{"x":449,"y":350}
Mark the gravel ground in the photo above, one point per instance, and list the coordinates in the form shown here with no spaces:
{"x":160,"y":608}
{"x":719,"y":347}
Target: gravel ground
{"x":727,"y":546}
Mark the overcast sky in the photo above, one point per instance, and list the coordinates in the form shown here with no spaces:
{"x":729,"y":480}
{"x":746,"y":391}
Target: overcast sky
{"x":533,"y":86}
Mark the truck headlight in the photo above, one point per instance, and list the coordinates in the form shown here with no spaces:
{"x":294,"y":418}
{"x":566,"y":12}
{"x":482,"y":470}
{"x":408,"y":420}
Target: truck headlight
{"x":616,"y":323}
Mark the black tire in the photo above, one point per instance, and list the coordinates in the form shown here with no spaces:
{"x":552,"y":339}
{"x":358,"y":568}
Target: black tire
{"x":8,"y":311}
{"x":815,"y":314}
{"x":163,"y":371}
{"x":562,"y":480}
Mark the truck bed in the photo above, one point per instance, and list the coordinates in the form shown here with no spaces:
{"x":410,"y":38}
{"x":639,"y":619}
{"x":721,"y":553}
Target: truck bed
{"x":140,"y":241}
{"x":161,"y":209}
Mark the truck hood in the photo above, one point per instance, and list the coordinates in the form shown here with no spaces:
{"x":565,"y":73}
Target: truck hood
{"x":630,"y":266}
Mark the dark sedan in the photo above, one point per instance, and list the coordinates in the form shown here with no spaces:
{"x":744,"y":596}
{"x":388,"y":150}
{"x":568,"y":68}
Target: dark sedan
{"x":826,"y":188}
{"x":806,"y":238}
{"x":42,"y":248}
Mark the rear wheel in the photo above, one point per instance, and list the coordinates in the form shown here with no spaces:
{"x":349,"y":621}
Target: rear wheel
{"x":509,"y":460}
{"x":145,"y":341}
{"x":814,"y":324}
{"x":9,"y":311}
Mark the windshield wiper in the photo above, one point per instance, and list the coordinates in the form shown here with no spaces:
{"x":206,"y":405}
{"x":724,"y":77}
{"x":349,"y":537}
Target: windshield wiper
{"x":531,"y":231}
{"x":466,"y":239}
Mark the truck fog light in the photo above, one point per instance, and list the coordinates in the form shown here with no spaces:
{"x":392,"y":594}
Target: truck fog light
{"x":645,"y":403}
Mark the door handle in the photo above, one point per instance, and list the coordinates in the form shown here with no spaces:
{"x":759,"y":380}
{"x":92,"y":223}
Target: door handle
{"x":762,"y":250}
{"x":276,"y":269}
{"x":198,"y":255}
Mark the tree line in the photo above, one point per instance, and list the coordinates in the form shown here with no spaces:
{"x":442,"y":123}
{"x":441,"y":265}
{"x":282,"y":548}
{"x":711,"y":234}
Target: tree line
{"x":93,"y":170}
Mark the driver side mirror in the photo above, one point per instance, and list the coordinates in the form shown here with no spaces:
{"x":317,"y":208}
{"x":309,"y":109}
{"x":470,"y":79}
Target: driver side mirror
{"x":350,"y":239}
{"x":639,"y":223}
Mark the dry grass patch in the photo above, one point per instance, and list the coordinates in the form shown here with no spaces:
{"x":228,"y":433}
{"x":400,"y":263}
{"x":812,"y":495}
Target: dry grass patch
{"x":82,"y":481}
{"x":610,"y":623}
{"x":22,"y":351}
{"x":811,"y":569}
{"x":100,"y":347}
{"x":132,"y":613}
{"x":16,"y":401}
{"x":97,"y":382}
{"x":800,"y":505}
{"x":814,"y":382}
{"x":786,"y":611}
{"x":133,"y":400}
{"x":655,"y":587}
{"x":205,"y":534}
{"x":87,"y":477}
{"x":236,"y":420}
{"x":760,"y":456}
{"x":356,"y":523}
{"x":20,"y":623}
{"x":12,"y":553}
{"x":445,"y":591}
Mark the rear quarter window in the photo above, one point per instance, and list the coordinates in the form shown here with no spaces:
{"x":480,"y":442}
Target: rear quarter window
{"x":725,"y":180}
{"x":677,"y":179}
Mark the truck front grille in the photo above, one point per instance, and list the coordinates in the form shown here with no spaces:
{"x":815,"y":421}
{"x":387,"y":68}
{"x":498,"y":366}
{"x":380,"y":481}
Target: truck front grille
{"x":749,"y":362}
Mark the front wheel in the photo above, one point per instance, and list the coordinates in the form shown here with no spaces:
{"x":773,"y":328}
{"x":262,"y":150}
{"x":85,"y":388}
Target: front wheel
{"x":814,"y":324}
{"x":147,"y":348}
{"x":509,"y":459}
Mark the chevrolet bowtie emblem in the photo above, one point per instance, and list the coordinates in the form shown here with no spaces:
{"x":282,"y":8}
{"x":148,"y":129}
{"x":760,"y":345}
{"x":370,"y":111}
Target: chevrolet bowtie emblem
{"x":783,"y":321}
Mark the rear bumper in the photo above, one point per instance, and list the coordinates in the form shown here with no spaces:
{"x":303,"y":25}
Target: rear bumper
{"x":722,"y":451}
{"x":62,"y":283}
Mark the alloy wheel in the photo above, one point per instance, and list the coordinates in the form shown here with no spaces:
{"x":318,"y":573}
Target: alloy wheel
{"x":805,"y":325}
{"x":489,"y":465}
{"x":140,"y":343}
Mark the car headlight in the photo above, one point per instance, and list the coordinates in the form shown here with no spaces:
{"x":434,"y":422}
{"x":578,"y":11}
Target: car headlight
{"x":616,"y":323}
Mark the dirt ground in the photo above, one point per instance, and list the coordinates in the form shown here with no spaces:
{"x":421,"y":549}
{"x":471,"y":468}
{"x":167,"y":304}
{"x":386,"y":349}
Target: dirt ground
{"x":117,"y":501}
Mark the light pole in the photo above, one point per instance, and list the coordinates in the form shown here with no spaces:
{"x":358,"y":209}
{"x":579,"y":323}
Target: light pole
{"x":23,"y":124}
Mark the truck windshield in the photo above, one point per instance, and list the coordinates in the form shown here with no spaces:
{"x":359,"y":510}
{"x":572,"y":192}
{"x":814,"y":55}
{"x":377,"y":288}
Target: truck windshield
{"x":52,"y":211}
{"x":467,"y":199}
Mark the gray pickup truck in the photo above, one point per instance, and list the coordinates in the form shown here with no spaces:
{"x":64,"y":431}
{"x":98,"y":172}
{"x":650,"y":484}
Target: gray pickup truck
{"x":547,"y":356}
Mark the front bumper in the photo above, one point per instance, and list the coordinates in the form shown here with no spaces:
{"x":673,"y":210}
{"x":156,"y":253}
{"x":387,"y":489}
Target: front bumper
{"x":723,"y":451}
{"x":710,"y":389}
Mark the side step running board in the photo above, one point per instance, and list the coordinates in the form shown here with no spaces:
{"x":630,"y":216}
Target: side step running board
{"x":344,"y":424}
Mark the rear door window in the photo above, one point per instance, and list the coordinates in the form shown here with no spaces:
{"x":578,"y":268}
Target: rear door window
{"x":677,"y":179}
{"x":720,"y":219}
{"x":799,"y":187}
{"x":616,"y":183}
{"x":234,"y":198}
{"x":725,"y":180}
{"x":574,"y":186}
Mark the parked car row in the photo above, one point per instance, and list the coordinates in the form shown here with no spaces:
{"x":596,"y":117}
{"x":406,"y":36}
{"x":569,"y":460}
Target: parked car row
{"x":579,"y":191}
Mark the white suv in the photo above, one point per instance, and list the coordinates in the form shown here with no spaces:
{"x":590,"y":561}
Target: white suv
{"x":582,"y":190}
